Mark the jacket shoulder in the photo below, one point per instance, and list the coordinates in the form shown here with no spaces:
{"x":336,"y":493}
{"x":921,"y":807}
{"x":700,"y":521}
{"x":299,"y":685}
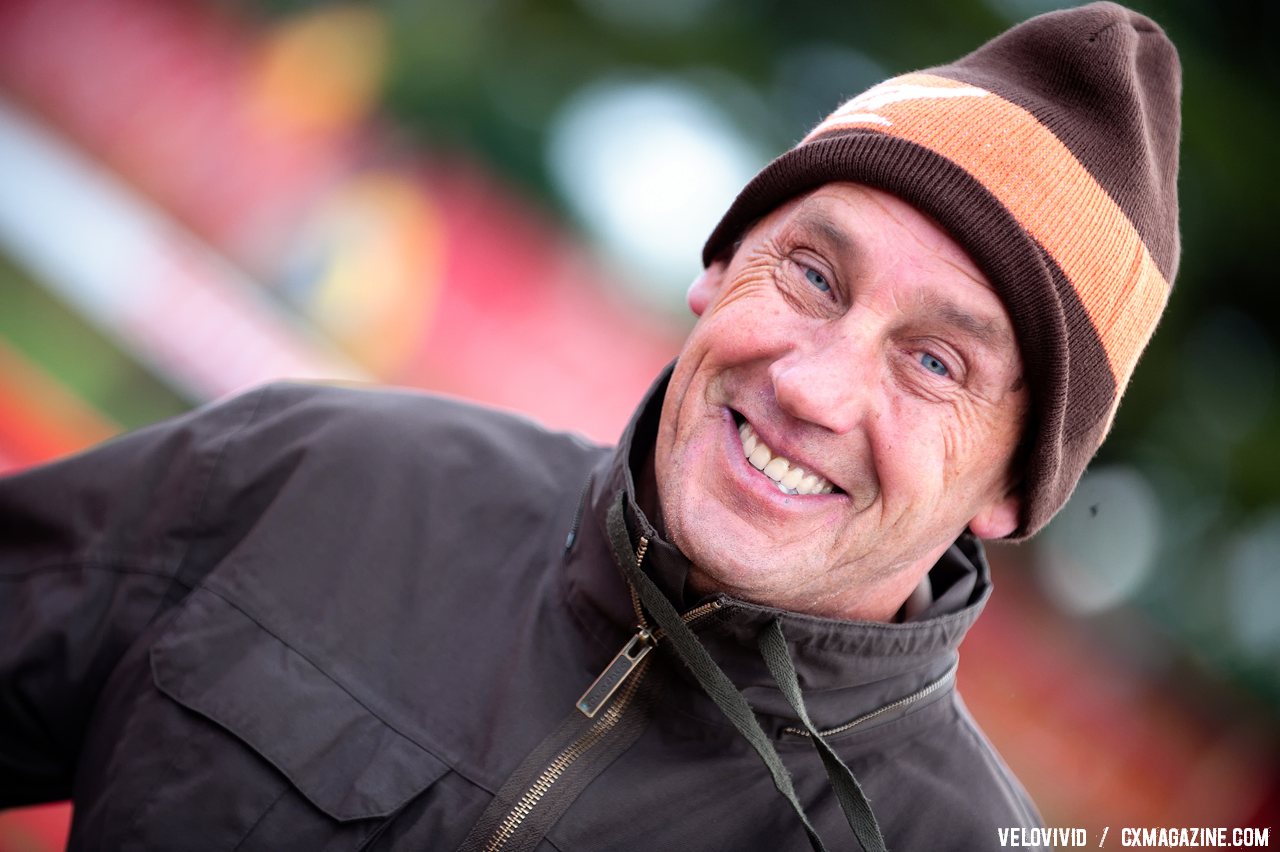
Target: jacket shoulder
{"x":376,"y":427}
{"x":963,"y":794}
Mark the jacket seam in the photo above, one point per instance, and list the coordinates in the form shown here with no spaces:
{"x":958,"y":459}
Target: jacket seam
{"x":171,"y":596}
{"x":910,"y":718}
{"x":257,"y":822}
{"x":198,"y":516}
{"x":118,"y":566}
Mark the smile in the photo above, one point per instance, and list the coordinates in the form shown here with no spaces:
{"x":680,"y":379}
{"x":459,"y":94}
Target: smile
{"x":790,"y":477}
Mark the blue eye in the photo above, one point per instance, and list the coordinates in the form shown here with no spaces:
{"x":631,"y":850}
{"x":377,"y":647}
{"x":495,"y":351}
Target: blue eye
{"x":933,"y":365}
{"x":817,"y":279}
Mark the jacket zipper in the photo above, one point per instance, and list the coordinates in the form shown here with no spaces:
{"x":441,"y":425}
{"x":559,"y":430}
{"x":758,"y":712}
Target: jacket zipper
{"x":633,"y":653}
{"x":543,"y":783}
{"x":924,"y":692}
{"x":627,"y":662}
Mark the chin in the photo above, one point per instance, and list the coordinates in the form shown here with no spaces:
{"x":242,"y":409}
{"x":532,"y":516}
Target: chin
{"x":731,"y":560}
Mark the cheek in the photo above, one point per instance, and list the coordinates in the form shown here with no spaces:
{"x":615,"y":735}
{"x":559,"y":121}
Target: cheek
{"x":739,"y":334}
{"x":910,"y":446}
{"x":981,"y":441}
{"x":924,"y":448}
{"x":748,"y":319}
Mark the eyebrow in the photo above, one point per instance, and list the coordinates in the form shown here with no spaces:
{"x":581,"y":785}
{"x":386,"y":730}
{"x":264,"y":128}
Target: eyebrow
{"x":813,"y":221}
{"x":985,"y":330}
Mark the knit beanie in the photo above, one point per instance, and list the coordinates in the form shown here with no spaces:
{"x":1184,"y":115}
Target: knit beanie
{"x":1051,"y":155}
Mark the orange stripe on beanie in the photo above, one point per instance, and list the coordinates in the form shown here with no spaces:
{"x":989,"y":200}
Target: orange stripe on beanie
{"x":1050,"y":154}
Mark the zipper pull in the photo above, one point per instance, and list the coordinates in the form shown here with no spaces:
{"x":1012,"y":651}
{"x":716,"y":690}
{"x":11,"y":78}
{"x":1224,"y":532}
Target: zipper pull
{"x":626,"y":661}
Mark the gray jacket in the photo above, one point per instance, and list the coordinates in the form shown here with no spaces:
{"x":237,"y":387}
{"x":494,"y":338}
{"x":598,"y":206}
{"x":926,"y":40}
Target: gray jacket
{"x":316,"y":618}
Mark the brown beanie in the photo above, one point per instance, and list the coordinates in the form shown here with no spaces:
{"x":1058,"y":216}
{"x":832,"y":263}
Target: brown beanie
{"x":1051,"y":155}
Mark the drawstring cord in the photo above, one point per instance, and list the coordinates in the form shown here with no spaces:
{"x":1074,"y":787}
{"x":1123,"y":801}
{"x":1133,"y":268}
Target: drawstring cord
{"x":734,"y":705}
{"x":857,"y":810}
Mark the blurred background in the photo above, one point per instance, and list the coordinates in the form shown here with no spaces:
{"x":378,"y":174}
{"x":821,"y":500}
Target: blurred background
{"x":506,"y":200}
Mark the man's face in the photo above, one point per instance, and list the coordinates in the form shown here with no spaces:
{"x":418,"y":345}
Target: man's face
{"x":851,"y":337}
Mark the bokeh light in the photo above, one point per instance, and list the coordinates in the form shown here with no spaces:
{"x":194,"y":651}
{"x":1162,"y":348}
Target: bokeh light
{"x":649,"y":167}
{"x":1102,"y":545}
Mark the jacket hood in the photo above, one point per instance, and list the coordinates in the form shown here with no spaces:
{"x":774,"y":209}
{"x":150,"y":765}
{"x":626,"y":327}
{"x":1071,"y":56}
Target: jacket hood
{"x":845,"y":668}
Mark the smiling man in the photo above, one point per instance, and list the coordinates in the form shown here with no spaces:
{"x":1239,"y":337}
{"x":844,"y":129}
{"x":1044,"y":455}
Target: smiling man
{"x":321,"y":618}
{"x":850,"y":401}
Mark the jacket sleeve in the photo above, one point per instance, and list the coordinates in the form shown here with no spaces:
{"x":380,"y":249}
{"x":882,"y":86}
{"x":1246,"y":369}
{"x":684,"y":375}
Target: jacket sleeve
{"x":92,"y":549}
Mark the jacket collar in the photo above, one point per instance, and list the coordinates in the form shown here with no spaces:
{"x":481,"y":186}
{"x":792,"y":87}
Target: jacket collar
{"x":846,"y":668}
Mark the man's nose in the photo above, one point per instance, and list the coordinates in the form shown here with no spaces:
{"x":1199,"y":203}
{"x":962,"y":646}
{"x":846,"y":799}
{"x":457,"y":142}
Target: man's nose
{"x":831,"y":382}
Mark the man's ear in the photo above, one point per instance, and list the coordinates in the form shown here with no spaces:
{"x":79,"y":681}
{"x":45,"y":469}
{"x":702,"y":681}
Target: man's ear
{"x":703,"y":290}
{"x":998,"y":518}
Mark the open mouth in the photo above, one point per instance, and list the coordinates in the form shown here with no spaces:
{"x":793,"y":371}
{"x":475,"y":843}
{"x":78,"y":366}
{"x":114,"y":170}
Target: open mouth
{"x":789,"y":477}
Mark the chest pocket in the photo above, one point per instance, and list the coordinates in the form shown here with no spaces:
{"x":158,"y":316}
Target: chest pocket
{"x":269,"y":749}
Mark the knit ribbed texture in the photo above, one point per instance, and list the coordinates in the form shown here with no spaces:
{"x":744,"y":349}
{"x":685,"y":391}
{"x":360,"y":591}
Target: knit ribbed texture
{"x":1051,"y":155}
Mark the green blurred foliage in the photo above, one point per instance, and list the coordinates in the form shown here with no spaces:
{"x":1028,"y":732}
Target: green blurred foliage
{"x":46,"y":332}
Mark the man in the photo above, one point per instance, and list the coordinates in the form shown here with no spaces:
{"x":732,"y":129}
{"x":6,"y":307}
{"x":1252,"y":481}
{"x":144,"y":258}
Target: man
{"x":314,"y":618}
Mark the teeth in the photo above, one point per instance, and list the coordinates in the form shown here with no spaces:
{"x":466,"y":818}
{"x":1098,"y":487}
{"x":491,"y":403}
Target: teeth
{"x":777,"y":469}
{"x":793,"y":477}
{"x":760,"y":457}
{"x":786,"y":474}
